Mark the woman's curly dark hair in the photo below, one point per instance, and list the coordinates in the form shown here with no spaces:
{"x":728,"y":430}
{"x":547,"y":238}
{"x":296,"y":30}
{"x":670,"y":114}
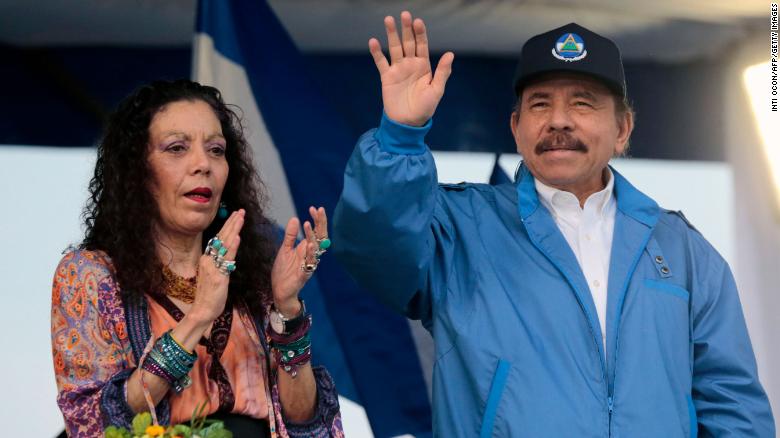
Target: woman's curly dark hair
{"x":121,"y":212}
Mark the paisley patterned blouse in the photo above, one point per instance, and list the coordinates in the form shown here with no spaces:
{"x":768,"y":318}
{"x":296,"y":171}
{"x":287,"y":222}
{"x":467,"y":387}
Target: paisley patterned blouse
{"x":97,"y":339}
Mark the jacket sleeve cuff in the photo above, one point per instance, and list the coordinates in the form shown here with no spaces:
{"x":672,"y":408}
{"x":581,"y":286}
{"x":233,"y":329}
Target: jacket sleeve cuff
{"x":396,"y":138}
{"x":327,"y":416}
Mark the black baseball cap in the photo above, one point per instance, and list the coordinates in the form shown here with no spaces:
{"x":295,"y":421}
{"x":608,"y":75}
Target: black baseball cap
{"x":571,"y":48}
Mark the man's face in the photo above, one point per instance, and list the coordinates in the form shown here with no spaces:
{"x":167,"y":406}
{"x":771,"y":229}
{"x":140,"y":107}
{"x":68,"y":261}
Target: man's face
{"x":566,"y":129}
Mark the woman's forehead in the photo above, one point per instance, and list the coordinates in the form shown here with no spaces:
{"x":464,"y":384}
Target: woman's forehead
{"x":185,"y":118}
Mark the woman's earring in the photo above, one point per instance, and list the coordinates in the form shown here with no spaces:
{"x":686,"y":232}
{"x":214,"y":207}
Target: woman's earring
{"x":222,"y":213}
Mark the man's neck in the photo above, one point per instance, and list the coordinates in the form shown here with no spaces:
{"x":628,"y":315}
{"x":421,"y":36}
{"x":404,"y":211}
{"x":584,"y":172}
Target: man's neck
{"x":583,"y":191}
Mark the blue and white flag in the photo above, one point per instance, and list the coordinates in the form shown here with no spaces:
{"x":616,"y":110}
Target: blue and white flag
{"x":301,"y":146}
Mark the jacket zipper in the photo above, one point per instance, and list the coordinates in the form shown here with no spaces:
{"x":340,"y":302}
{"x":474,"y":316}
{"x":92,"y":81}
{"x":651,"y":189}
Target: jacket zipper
{"x":611,"y":393}
{"x":602,"y":359}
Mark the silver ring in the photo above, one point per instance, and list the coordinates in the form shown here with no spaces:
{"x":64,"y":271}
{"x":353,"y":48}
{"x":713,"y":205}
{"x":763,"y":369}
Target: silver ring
{"x":212,"y":249}
{"x":226,"y":267}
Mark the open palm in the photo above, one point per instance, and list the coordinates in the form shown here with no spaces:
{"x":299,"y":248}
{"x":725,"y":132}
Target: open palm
{"x":410,"y":91}
{"x":287,"y":276}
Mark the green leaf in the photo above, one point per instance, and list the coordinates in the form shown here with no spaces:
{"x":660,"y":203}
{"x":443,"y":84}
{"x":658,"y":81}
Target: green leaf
{"x":182,"y":430}
{"x":213,"y":426}
{"x":116,"y":432}
{"x":216,"y":430}
{"x":141,"y":422}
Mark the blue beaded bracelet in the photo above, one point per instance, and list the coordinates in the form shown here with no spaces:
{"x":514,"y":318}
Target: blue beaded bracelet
{"x":169,"y":360}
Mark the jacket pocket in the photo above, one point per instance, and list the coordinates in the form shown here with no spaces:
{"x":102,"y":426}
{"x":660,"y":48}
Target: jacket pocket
{"x":494,"y":397}
{"x":694,"y":429}
{"x":668,"y":288}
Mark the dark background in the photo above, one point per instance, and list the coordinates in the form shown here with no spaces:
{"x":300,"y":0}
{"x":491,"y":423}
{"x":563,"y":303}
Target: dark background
{"x":61,"y":97}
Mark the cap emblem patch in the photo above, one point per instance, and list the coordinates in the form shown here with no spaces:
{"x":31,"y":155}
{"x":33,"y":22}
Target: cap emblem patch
{"x":570,"y":47}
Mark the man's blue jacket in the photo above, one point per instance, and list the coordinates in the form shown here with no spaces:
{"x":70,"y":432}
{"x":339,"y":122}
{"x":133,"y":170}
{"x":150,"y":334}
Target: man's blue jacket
{"x":517,"y":340}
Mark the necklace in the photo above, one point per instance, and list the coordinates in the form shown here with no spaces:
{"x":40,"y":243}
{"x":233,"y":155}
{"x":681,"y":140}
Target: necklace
{"x":178,"y":287}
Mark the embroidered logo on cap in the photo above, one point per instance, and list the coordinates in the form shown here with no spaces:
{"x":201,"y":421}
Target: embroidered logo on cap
{"x":569,"y":48}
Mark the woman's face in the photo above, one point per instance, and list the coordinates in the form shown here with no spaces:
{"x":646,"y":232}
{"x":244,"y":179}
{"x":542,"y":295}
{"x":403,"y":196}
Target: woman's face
{"x":187,"y":158}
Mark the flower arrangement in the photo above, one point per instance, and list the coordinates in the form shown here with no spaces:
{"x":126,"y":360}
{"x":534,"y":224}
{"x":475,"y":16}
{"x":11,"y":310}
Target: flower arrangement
{"x":144,"y":427}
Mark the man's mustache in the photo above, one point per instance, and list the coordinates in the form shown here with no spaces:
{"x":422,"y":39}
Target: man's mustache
{"x":560,"y":141}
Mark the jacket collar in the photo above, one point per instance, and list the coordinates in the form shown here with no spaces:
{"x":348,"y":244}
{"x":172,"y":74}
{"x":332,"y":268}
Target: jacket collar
{"x":630,"y":200}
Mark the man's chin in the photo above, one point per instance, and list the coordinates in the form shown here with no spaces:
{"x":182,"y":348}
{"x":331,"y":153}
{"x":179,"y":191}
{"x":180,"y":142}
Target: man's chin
{"x":558,"y":176}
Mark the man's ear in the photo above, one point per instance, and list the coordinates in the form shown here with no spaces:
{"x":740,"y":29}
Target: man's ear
{"x":625,"y":128}
{"x":514,"y":119}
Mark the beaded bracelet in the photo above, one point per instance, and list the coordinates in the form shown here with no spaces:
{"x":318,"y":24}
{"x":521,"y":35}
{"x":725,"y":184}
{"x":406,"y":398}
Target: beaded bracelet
{"x":171,"y":346}
{"x":168,"y":366}
{"x":291,"y":367}
{"x":291,"y":343}
{"x":170,"y":363}
{"x":293,"y":350}
{"x":289,"y":355}
{"x":297,"y":359}
{"x":153,"y":367}
{"x":169,"y":360}
{"x":294,"y":345}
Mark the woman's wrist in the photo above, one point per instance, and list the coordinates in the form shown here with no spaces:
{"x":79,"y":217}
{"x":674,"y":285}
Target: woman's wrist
{"x":289,"y":308}
{"x":199,"y":317}
{"x":191,"y":328}
{"x":290,"y":342}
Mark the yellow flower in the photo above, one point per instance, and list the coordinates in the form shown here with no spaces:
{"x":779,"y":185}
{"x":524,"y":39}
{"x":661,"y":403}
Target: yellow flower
{"x":155,"y":430}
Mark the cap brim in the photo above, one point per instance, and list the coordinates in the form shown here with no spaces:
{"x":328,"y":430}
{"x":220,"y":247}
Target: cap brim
{"x":613,"y":86}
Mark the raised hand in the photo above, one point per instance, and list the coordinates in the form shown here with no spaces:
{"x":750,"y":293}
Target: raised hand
{"x":410,"y":92}
{"x":287,"y":274}
{"x":212,"y":284}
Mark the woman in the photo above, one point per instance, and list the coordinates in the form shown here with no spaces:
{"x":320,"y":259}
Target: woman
{"x":166,"y":304}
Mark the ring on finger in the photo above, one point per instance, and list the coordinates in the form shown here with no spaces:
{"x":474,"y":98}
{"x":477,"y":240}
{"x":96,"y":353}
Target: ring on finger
{"x":226,"y":267}
{"x":308,"y":268}
{"x":215,"y":247}
{"x":312,"y":258}
{"x":323,"y":243}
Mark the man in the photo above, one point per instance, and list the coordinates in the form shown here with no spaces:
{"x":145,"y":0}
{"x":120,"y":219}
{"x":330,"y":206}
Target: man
{"x":567,"y":304}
